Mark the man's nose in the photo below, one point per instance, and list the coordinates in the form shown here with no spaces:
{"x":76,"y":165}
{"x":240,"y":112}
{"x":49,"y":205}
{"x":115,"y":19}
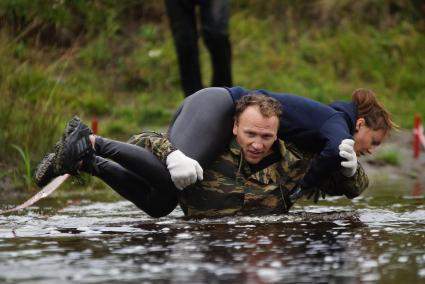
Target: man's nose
{"x":257,"y":145}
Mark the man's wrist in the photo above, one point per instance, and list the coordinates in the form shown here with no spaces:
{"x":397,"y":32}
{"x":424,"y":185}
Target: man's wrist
{"x":170,"y":149}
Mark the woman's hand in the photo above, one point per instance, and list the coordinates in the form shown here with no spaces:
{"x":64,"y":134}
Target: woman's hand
{"x":346,"y":151}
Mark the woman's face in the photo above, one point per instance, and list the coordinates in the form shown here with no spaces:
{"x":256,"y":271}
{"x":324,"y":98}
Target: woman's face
{"x":366,"y":139}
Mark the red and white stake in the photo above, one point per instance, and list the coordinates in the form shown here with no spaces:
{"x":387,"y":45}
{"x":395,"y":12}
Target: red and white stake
{"x":418,"y":137}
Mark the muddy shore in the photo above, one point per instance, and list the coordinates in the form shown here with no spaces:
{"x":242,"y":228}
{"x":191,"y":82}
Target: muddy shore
{"x":409,"y":168}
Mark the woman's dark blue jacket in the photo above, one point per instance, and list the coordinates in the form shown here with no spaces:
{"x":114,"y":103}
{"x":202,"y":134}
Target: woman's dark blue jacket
{"x":312,"y":127}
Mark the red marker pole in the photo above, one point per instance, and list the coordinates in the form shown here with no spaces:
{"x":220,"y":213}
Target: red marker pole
{"x":94,"y":123}
{"x":416,"y":137}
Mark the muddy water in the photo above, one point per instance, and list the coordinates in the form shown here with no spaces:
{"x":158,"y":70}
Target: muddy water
{"x":377,"y":238}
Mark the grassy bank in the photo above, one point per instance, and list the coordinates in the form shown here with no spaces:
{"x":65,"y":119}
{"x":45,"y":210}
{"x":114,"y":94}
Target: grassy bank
{"x":116,"y":61}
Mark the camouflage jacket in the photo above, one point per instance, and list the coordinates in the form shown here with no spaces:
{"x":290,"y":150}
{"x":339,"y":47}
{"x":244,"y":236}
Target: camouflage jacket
{"x":231,"y":188}
{"x":337,"y":184}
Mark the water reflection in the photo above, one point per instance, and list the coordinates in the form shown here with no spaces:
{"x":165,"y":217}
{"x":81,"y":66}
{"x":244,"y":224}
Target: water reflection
{"x":418,"y":190}
{"x":377,"y":238}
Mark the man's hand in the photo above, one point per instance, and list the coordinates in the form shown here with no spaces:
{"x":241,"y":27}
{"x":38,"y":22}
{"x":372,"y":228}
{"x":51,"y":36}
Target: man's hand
{"x":184,"y":171}
{"x":346,"y":151}
{"x":315,"y":193}
{"x":309,"y":192}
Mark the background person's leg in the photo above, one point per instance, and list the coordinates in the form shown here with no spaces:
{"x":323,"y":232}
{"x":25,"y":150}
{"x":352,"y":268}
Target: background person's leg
{"x":202,"y":126}
{"x":215,"y":32}
{"x":182,"y":18}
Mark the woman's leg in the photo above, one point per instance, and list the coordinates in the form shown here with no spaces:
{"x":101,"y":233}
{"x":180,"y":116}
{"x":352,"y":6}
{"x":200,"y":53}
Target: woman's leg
{"x":202,"y":126}
{"x":136,"y":159}
{"x":136,"y":174}
{"x":156,"y":200}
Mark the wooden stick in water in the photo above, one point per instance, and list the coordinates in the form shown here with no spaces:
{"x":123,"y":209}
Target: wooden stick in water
{"x":46,"y":191}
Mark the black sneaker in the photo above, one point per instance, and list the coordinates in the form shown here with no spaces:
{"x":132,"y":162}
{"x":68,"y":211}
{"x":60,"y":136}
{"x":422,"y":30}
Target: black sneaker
{"x":46,"y":170}
{"x":74,"y":148}
{"x":69,"y":128}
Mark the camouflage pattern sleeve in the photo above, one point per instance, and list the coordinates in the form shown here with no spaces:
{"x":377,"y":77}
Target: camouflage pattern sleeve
{"x":157,"y":143}
{"x":338,"y":184}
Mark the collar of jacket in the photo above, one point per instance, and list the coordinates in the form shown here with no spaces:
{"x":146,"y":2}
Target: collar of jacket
{"x":269,"y":174}
{"x":349,"y":110}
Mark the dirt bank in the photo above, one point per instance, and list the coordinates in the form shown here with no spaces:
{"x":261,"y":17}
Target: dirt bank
{"x":409,"y":168}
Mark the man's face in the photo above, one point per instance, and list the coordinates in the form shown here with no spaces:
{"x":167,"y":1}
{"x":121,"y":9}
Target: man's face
{"x":255,"y":134}
{"x":366,"y":139}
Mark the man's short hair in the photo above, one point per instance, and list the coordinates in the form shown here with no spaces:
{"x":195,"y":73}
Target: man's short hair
{"x":267,"y":105}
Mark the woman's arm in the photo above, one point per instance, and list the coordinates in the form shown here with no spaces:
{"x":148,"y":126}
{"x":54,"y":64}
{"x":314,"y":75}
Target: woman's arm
{"x":338,"y":184}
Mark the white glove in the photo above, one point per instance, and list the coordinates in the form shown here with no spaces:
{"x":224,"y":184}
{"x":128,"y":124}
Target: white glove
{"x":184,"y":171}
{"x":346,"y":151}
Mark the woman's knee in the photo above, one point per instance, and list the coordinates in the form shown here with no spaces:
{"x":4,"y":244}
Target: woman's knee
{"x":203,"y":126}
{"x":209,"y":97}
{"x":161,"y":210}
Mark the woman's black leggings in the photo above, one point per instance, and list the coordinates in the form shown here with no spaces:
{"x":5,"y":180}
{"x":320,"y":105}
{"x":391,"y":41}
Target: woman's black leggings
{"x":201,"y":128}
{"x":137,"y":175}
{"x":202,"y":125}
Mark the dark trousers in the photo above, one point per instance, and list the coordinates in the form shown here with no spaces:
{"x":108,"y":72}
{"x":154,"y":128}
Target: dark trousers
{"x":140,"y":177}
{"x":137,"y":175}
{"x":202,"y":126}
{"x":215,"y":32}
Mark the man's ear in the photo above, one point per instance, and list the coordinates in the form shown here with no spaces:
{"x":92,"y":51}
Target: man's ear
{"x":235,"y":128}
{"x":360,"y":122}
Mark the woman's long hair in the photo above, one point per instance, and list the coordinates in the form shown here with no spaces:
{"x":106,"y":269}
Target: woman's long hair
{"x":373,"y":112}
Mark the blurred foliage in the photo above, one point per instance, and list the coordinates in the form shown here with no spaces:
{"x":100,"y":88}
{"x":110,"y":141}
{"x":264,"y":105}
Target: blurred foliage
{"x":389,"y":157}
{"x":115,"y":60}
{"x":62,"y":22}
{"x":334,"y":14}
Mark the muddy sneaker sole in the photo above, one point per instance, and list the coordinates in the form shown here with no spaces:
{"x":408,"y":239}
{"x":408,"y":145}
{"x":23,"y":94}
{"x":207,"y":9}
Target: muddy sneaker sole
{"x":45,"y":171}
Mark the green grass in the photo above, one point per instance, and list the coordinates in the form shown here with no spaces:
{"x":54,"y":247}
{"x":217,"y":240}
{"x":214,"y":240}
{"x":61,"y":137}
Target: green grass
{"x":329,"y":69}
{"x":389,"y":157}
{"x":105,"y":61}
{"x":26,"y":159}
